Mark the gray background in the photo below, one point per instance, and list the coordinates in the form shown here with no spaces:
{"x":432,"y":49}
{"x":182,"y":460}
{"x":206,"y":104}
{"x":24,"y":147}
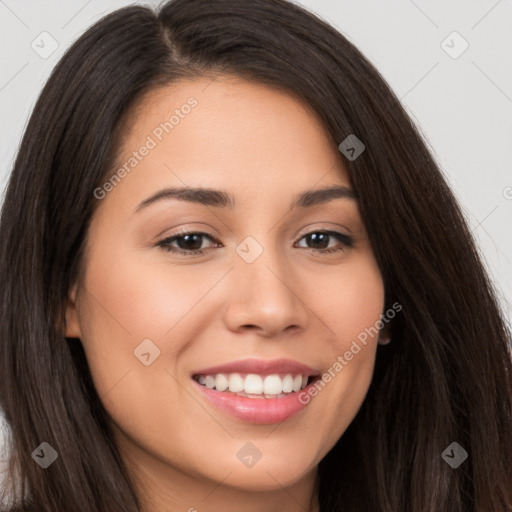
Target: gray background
{"x":462,"y":104}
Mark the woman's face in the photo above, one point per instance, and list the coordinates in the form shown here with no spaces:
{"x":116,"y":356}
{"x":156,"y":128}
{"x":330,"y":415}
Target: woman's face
{"x":280,"y":292}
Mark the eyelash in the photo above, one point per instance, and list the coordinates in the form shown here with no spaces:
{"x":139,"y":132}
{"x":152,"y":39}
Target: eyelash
{"x":346,"y":240}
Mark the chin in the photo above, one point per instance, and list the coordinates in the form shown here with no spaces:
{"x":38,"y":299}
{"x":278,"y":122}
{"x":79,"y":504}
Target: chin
{"x":265,"y":479}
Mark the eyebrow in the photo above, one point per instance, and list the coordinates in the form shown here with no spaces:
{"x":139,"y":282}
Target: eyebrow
{"x":221,"y":199}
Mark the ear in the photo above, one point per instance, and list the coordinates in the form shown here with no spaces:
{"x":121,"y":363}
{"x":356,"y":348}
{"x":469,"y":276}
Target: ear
{"x":385,"y":334}
{"x":72,"y":323}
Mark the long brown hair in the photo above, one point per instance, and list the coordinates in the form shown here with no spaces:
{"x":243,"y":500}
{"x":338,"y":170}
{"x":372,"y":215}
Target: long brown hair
{"x":447,"y":375}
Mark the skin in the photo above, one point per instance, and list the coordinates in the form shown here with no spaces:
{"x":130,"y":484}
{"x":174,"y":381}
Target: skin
{"x":293,"y":301}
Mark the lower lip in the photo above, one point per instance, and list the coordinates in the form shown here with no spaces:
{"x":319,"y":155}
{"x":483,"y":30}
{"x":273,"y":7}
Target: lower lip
{"x":255,"y":410}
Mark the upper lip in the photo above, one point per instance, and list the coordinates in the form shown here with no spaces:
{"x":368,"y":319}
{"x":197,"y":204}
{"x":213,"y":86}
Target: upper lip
{"x":260,"y":367}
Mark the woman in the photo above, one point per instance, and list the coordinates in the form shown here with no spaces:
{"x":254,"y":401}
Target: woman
{"x":144,"y":371}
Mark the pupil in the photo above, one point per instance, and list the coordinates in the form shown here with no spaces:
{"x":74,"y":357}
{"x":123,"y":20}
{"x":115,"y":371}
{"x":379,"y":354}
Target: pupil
{"x":182,"y":241}
{"x":316,"y":237}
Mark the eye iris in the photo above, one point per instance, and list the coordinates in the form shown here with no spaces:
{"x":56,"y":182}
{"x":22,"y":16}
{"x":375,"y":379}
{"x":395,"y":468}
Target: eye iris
{"x":182,"y":242}
{"x":319,"y":237}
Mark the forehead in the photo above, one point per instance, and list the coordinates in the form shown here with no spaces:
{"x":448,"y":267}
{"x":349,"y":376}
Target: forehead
{"x":226,"y":133}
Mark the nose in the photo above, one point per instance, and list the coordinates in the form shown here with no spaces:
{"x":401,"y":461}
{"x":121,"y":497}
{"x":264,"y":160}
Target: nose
{"x":267,"y":297}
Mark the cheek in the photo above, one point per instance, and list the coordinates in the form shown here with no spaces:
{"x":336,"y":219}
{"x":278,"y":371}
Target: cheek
{"x":128,"y":299}
{"x":351,"y":302}
{"x":352,"y":306}
{"x":138,"y":299}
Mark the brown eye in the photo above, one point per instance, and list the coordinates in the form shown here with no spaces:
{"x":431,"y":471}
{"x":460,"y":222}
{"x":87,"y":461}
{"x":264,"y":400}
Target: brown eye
{"x":186,"y":243}
{"x":319,"y":240}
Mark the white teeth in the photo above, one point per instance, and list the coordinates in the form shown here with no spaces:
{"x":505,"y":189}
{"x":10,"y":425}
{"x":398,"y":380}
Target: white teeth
{"x":247,"y":395}
{"x":297,"y":382}
{"x":288,"y":384}
{"x":255,"y":386}
{"x":236,"y":383}
{"x":273,"y":385}
{"x":221,"y":382}
{"x":210,"y":381}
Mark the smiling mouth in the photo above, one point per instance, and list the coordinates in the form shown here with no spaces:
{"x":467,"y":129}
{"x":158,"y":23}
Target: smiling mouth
{"x":252,"y":385}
